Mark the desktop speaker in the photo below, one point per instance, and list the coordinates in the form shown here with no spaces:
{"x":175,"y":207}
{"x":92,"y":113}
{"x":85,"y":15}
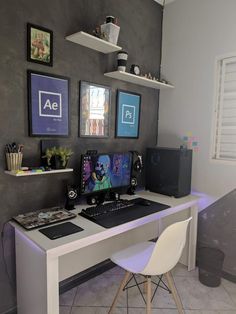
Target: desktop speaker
{"x":168,"y":171}
{"x":136,"y":169}
{"x":71,"y":197}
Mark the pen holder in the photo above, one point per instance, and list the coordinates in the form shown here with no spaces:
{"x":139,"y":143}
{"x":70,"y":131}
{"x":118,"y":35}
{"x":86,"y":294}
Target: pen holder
{"x":14,"y":161}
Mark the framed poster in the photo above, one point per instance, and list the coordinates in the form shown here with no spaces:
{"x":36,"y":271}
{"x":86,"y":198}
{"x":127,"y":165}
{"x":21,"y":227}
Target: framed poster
{"x":94,"y":110}
{"x":48,"y":100}
{"x":39,"y":45}
{"x":128,"y":109}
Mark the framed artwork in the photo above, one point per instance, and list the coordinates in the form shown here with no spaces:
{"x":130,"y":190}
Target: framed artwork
{"x":48,"y":100}
{"x":128,"y":109}
{"x":94,"y":110}
{"x":39,"y":45}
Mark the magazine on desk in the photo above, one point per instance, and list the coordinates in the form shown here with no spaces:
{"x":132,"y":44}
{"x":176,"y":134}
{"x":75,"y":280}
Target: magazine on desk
{"x":43,"y":217}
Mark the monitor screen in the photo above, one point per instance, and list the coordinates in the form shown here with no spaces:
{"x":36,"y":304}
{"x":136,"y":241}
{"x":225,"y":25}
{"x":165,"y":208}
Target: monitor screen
{"x":106,"y":171}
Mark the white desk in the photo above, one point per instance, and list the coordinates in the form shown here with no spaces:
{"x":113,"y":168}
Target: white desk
{"x":41,"y":263}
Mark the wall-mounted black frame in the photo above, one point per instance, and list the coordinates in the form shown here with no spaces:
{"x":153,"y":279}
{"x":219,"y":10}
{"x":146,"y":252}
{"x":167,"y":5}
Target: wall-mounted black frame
{"x":48,"y":104}
{"x":94,"y":116}
{"x":39,"y":44}
{"x":128,"y":110}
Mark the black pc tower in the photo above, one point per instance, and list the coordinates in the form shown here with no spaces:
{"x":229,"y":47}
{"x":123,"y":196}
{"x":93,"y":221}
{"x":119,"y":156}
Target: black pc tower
{"x":168,"y":171}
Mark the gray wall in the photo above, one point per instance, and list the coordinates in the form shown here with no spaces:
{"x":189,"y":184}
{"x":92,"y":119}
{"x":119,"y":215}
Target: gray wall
{"x":216,"y":228}
{"x":140,"y":35}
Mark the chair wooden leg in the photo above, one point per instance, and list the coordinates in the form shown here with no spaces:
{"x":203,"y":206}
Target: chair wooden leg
{"x":145,"y":287}
{"x":122,"y":285}
{"x":174,"y":292}
{"x":149,"y":295}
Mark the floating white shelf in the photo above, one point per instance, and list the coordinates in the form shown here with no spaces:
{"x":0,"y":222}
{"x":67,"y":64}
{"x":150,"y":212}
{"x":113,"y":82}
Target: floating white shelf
{"x":139,"y":80}
{"x":92,"y":42}
{"x":15,"y":174}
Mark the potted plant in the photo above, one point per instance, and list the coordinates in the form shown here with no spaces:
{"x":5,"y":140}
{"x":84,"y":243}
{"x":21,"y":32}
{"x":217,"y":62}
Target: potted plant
{"x":57,"y":157}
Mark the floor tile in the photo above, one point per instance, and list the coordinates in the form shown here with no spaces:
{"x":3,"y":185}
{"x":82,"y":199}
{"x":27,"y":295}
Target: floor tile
{"x":115,"y":271}
{"x":64,"y":309}
{"x":67,"y":298}
{"x":96,"y":310}
{"x":209,"y":312}
{"x":194,"y":295}
{"x":182,"y":270}
{"x":163,"y":299}
{"x":154,"y":311}
{"x":100,"y":291}
{"x":230,"y":287}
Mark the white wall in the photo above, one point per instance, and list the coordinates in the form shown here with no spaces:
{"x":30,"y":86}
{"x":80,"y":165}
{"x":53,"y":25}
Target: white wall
{"x":195,"y":33}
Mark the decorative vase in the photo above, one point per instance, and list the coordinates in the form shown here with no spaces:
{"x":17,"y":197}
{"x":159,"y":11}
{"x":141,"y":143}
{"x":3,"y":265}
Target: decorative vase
{"x":111,"y":32}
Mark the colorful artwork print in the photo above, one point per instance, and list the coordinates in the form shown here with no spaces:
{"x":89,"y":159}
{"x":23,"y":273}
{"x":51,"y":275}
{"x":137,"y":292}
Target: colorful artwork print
{"x":103,"y":172}
{"x":94,"y":110}
{"x":128,"y":114}
{"x":39,"y":46}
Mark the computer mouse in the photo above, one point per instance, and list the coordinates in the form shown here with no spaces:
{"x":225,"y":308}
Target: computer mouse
{"x":145,"y":202}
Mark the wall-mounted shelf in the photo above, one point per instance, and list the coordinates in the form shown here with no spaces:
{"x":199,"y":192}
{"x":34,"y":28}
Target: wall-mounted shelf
{"x":92,"y":42}
{"x":139,"y":80}
{"x":31,"y":173}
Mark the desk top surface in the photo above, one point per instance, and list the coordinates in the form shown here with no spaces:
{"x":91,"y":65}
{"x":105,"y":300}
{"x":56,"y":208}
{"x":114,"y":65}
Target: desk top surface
{"x":93,"y":233}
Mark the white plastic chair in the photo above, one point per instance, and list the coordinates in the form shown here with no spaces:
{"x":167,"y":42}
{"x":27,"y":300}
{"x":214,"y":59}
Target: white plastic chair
{"x":154,"y":259}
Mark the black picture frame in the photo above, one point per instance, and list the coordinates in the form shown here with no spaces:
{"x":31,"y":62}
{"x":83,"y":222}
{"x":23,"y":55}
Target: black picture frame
{"x":129,"y":130}
{"x":55,"y":126}
{"x":101,"y":125}
{"x":39,"y":50}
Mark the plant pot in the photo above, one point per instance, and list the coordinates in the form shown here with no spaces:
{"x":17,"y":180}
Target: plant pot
{"x":56,"y":163}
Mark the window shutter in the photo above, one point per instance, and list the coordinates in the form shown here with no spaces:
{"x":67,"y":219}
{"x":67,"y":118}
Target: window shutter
{"x":225,"y":126}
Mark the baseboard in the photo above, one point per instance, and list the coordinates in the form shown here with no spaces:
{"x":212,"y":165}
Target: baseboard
{"x":11,"y":311}
{"x":228,"y":276}
{"x":85,"y":275}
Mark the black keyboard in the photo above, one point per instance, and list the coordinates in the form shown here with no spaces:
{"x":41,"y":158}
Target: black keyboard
{"x":116,"y":213}
{"x":103,"y":209}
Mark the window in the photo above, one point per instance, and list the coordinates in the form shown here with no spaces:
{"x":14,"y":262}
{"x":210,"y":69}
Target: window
{"x":225,"y":113}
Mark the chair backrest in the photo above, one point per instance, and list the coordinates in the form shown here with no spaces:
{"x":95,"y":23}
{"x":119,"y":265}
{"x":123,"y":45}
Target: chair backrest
{"x":168,"y":249}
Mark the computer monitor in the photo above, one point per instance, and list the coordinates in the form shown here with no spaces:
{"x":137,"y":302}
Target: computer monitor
{"x":104,"y":172}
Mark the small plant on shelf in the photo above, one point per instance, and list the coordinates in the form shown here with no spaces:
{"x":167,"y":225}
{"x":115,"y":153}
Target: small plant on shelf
{"x":57,"y":157}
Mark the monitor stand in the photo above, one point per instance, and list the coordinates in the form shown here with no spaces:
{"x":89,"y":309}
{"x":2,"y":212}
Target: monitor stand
{"x":96,"y":199}
{"x":101,"y":197}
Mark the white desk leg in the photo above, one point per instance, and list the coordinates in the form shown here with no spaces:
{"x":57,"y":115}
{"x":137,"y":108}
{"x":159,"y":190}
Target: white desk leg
{"x":192,"y":238}
{"x":37,"y":279}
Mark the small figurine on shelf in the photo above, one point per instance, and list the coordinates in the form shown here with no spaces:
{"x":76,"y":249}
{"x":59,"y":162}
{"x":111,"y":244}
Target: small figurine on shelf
{"x":97,"y":32}
{"x":164,"y":81}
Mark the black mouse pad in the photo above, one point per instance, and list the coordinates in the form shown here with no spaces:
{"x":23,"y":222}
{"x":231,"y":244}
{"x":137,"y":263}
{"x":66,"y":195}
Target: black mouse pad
{"x":61,"y":230}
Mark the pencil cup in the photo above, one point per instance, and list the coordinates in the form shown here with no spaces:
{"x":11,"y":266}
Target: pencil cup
{"x":14,"y":161}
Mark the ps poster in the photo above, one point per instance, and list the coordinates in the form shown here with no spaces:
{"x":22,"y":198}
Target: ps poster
{"x":127,"y":114}
{"x":48,"y":97}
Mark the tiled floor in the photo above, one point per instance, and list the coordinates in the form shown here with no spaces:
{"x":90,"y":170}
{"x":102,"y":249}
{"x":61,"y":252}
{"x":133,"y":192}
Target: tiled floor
{"x":96,"y":296}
